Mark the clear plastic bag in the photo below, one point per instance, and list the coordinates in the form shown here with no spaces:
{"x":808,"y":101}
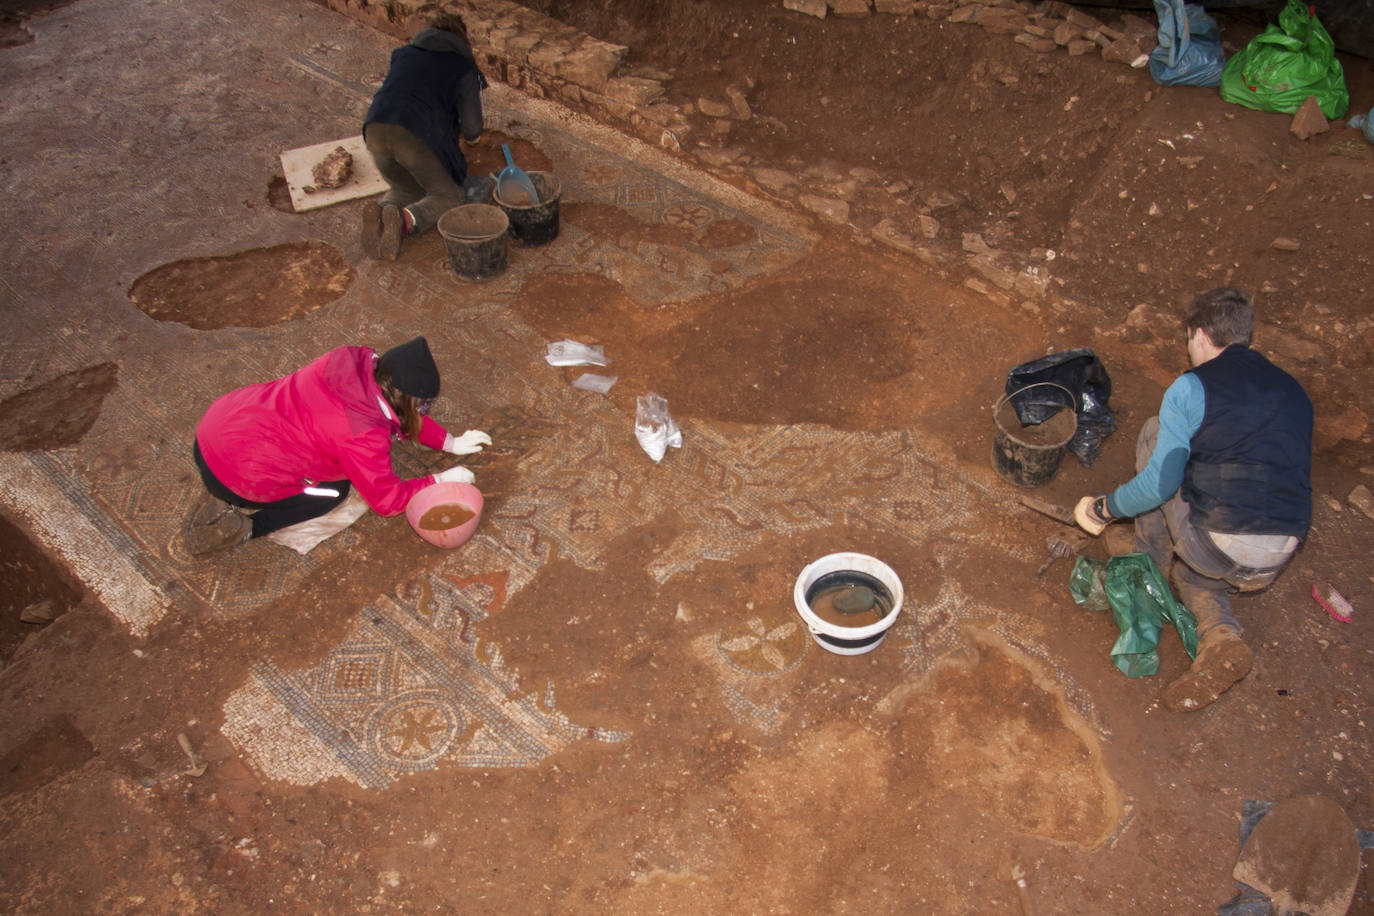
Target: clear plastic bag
{"x":572,"y":353}
{"x":590,"y":381}
{"x":654,"y":428}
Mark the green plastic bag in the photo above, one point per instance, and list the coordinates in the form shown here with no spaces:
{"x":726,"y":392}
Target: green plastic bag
{"x":1285,"y":64}
{"x":1140,"y":601}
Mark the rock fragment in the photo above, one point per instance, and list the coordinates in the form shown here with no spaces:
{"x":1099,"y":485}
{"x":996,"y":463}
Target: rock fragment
{"x":1309,"y":120}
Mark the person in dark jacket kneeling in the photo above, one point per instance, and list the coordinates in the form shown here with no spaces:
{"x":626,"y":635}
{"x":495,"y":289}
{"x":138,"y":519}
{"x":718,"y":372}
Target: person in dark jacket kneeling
{"x":431,"y":96}
{"x":1223,"y":485}
{"x":292,"y":448}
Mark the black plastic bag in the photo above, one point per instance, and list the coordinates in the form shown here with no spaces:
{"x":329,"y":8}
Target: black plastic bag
{"x":1086,"y":379}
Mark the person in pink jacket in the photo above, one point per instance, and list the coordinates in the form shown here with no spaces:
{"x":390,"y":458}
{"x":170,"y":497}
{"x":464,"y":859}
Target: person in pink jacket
{"x":291,"y":448}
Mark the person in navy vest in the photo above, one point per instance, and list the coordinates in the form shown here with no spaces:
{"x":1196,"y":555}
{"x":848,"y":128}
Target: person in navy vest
{"x":431,"y":96}
{"x":1223,"y":485}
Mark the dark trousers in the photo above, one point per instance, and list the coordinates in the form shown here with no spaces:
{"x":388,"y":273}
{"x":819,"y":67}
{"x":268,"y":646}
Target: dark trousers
{"x":276,"y":515}
{"x":418,"y":180}
{"x":1206,"y":577}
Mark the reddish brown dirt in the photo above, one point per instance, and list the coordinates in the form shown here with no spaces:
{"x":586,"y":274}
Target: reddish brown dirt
{"x":56,"y":413}
{"x":252,"y":289}
{"x":927,"y":806}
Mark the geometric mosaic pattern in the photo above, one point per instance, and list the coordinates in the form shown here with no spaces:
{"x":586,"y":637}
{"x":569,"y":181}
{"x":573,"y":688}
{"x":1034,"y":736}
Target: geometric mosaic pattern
{"x":409,"y":688}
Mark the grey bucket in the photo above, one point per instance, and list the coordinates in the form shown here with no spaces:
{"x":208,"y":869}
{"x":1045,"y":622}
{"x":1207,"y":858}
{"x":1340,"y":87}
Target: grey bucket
{"x":477,"y":238}
{"x":535,"y":222}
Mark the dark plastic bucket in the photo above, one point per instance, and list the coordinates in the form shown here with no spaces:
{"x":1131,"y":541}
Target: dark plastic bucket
{"x":534,"y":223}
{"x":477,"y":237}
{"x":1029,"y":456}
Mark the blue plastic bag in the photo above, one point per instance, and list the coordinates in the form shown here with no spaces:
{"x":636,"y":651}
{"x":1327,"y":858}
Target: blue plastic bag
{"x":1189,"y":52}
{"x":1363,"y":123}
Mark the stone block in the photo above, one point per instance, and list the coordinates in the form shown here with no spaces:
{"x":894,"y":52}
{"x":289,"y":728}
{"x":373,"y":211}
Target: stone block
{"x":633,"y":90}
{"x":828,"y":209}
{"x":930,"y":226}
{"x":1082,"y":20}
{"x":590,"y":65}
{"x":1125,"y":51}
{"x":1309,"y":120}
{"x":817,"y":8}
{"x":775,"y":180}
{"x":986,"y":266}
{"x":1036,"y":43}
{"x":1080,"y":46}
{"x":713,"y":109}
{"x":660,"y":113}
{"x":1003,"y":20}
{"x":569,"y":92}
{"x":739,"y":103}
{"x":966,"y":13}
{"x":1065,"y":33}
{"x":889,"y":233}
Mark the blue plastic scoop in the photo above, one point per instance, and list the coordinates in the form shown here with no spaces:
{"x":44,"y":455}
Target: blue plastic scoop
{"x":514,"y":185}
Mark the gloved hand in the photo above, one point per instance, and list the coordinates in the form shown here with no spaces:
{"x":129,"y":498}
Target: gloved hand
{"x":1091,"y":514}
{"x":469,"y":443}
{"x":456,"y":474}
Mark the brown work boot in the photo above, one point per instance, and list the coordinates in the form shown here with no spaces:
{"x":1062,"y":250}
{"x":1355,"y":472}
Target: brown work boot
{"x":371,"y":235}
{"x":1222,"y":660}
{"x":213,"y":526}
{"x":393,"y":227}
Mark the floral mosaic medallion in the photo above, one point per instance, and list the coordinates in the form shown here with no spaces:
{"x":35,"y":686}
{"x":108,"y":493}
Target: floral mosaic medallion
{"x":413,"y":731}
{"x":763,"y":648}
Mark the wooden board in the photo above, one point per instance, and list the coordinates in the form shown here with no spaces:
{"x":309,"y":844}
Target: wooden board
{"x":297,"y":163}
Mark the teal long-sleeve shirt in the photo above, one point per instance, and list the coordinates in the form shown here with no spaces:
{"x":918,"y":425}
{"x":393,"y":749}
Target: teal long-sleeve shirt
{"x":1180,"y":415}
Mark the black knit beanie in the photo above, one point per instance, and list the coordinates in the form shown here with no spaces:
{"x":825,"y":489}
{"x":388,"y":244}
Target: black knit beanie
{"x":412,"y":369}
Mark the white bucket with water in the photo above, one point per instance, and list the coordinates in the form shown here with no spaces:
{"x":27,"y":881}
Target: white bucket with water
{"x":843,"y":640}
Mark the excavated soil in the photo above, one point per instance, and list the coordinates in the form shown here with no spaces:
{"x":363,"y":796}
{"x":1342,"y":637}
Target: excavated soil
{"x":926,"y":804}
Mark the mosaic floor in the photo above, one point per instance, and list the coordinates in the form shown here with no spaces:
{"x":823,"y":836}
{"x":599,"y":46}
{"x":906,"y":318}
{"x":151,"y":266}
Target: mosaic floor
{"x":410,"y":686}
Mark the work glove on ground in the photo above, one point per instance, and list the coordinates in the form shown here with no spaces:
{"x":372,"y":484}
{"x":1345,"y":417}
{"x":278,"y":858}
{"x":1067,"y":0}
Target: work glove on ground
{"x":469,"y":443}
{"x":1091,"y":514}
{"x":458,"y":474}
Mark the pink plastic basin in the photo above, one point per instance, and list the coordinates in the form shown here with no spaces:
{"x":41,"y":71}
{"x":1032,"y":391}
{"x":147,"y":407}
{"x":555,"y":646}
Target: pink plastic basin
{"x":439,"y":501}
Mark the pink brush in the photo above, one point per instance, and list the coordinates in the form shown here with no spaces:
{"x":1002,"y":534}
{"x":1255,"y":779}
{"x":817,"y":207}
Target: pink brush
{"x":1335,"y":603}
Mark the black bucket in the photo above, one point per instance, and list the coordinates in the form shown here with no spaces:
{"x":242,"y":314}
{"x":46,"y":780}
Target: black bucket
{"x":534,"y":223}
{"x":477,"y":237}
{"x":1030,"y":456}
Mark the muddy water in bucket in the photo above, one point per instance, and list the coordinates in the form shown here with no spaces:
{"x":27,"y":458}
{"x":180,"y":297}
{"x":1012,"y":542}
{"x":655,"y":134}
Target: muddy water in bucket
{"x":1029,"y":455}
{"x":534,"y":222}
{"x":848,"y":601}
{"x":477,"y":238}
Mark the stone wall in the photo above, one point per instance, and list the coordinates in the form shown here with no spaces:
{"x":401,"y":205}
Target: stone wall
{"x":545,"y":58}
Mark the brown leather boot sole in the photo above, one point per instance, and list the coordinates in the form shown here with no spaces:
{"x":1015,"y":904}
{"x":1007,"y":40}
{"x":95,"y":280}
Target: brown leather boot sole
{"x":214,"y":526}
{"x":393,"y":227}
{"x":1220,"y":664}
{"x":371,"y":235}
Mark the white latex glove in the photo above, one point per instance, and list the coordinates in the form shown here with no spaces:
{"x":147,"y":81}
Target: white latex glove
{"x":457,"y":474}
{"x":469,"y":443}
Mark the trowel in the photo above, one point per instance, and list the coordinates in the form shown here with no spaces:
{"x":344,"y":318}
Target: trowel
{"x":1058,"y":513}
